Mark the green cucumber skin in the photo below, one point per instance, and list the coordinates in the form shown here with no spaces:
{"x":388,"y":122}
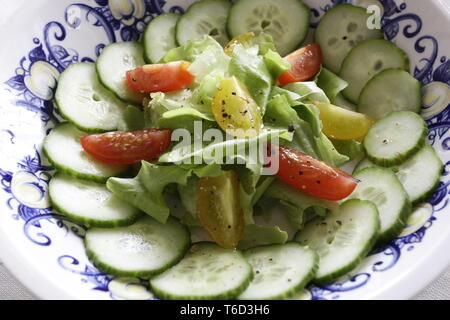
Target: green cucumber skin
{"x":92,"y":223}
{"x":302,"y":284}
{"x":347,"y":60}
{"x":231,"y":294}
{"x":107,"y":269}
{"x":81,"y":176}
{"x":365,"y":251}
{"x":76,"y":174}
{"x":76,"y":125}
{"x":347,"y":6}
{"x":111,"y":90}
{"x":307,"y":22}
{"x":193,"y":5}
{"x":422,"y":197}
{"x":383,"y":73}
{"x":147,"y":29}
{"x":397,"y":228}
{"x":69,"y":119}
{"x":400,"y":158}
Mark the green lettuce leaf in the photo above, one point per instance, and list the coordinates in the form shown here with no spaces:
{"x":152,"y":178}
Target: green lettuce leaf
{"x":275,"y":64}
{"x":191,"y":50}
{"x":308,"y":91}
{"x":251,"y":70}
{"x":145,"y":191}
{"x":133,"y":119}
{"x":331,"y":84}
{"x":295,"y":203}
{"x":257,"y":235}
{"x":305,"y":123}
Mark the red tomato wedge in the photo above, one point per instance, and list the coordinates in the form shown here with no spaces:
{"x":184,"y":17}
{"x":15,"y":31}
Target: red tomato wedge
{"x":305,"y":63}
{"x":160,"y":77}
{"x":312,"y":176}
{"x":127,"y":147}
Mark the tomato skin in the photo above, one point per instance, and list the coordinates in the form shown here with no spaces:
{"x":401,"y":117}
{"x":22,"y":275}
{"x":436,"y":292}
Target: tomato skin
{"x":160,"y":77}
{"x":235,"y":110}
{"x":312,"y":176}
{"x":342,"y":124}
{"x":219,"y":209}
{"x":127,"y":147}
{"x":305,"y":63}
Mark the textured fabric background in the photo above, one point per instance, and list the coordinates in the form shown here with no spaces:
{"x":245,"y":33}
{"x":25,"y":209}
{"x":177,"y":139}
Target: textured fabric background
{"x":11,"y":289}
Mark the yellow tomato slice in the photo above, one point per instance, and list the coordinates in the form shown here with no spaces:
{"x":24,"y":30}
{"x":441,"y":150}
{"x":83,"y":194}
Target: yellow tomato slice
{"x":242,"y":39}
{"x":235,"y":110}
{"x":342,"y":124}
{"x":219,"y":210}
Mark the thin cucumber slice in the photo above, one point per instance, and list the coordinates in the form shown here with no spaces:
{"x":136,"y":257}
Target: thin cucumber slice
{"x":339,"y":30}
{"x":83,"y":101}
{"x":366,"y":60}
{"x":207,"y":272}
{"x":205,"y":17}
{"x":395,"y":138}
{"x":391,"y":90}
{"x":382,"y":187}
{"x":112,"y":65}
{"x":280,"y":271}
{"x":420,"y":174}
{"x":342,"y":239}
{"x":143,"y":249}
{"x":64,"y":151}
{"x":159,"y":37}
{"x":90,"y":203}
{"x":286,"y":21}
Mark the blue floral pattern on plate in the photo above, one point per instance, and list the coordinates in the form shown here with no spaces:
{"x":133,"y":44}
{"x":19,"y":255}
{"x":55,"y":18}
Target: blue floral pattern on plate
{"x":125,"y":20}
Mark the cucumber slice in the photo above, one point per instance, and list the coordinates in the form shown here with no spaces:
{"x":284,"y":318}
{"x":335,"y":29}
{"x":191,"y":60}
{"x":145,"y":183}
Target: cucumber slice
{"x":143,"y":249}
{"x":84,"y":102}
{"x":98,"y":206}
{"x":207,"y":272}
{"x":159,"y":37}
{"x":366,"y":60}
{"x":63,"y":149}
{"x":395,"y":138}
{"x":382,"y":187}
{"x":280,"y":271}
{"x":112,"y":66}
{"x":286,"y":21}
{"x":420,"y":174}
{"x":390,"y":90}
{"x":339,"y":30}
{"x":342,"y":239}
{"x":206,"y":17}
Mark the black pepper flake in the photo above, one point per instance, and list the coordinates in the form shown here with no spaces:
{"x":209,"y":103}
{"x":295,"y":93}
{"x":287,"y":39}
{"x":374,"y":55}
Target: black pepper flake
{"x":318,"y":181}
{"x":234,"y":93}
{"x":202,"y":102}
{"x":223,"y":102}
{"x":339,"y":222}
{"x":300,"y":173}
{"x":291,"y":128}
{"x":225,"y":115}
{"x":244,"y":112}
{"x":229,"y":227}
{"x":134,"y":79}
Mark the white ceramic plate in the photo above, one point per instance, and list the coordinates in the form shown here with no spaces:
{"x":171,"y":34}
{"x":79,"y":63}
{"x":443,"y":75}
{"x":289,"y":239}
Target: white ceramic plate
{"x":44,"y":250}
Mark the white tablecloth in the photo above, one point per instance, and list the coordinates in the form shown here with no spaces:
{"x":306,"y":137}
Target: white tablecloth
{"x":10,"y":288}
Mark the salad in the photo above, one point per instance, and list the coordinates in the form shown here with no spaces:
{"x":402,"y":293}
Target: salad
{"x":206,"y":158}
